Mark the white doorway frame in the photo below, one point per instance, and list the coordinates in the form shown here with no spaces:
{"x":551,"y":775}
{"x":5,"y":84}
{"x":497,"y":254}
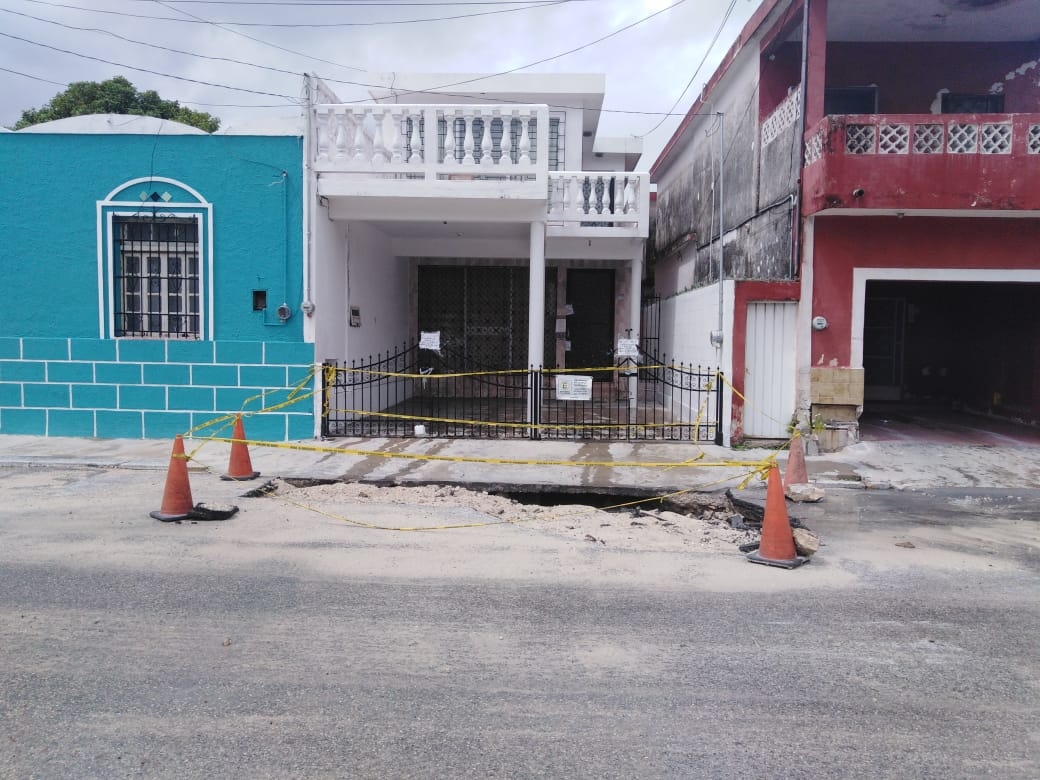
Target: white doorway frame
{"x":860,"y":277}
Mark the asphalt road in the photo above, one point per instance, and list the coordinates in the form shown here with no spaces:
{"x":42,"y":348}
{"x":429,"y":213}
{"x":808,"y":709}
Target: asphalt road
{"x":132,"y":648}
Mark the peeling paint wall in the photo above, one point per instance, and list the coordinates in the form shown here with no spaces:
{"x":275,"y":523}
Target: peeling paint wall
{"x":758,"y":238}
{"x":779,"y":165}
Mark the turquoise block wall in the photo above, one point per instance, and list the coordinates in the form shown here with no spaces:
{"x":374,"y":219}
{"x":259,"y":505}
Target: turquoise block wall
{"x":62,"y":373}
{"x":135,"y":400}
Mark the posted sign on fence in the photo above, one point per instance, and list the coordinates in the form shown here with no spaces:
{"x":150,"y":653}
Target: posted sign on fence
{"x":573,"y":387}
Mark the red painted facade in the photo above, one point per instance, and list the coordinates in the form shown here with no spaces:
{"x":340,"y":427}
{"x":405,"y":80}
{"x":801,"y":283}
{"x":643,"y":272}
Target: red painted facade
{"x":923,"y":193}
{"x":842,"y":244}
{"x":902,"y":171}
{"x":992,"y":335}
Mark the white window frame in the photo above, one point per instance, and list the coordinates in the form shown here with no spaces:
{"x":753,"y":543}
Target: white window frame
{"x":107,"y":248}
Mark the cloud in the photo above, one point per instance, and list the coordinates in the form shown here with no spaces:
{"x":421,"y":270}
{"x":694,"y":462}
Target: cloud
{"x":646,"y":66}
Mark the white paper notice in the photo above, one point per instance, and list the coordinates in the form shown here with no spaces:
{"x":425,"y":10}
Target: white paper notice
{"x":627,"y":348}
{"x":431,"y":340}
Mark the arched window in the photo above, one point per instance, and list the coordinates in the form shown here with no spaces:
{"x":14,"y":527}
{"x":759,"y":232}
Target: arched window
{"x":155,"y":260}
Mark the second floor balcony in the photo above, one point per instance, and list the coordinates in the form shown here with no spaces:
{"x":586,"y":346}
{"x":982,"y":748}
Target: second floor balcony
{"x":961,"y":163}
{"x":483,"y":162}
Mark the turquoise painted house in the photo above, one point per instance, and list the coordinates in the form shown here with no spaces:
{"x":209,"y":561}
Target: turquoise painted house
{"x":152,"y":275}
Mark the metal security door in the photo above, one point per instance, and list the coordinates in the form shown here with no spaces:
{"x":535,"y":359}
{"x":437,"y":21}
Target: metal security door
{"x":590,"y":329}
{"x":769,"y":369}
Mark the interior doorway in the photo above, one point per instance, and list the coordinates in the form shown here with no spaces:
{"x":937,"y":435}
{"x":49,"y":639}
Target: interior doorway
{"x":972,"y":346}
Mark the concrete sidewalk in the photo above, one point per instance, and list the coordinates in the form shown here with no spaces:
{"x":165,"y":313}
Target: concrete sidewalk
{"x":637,"y":468}
{"x":615,"y":467}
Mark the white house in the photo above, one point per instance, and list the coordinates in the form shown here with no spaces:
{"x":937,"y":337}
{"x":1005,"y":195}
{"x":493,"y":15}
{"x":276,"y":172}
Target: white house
{"x":482,"y":211}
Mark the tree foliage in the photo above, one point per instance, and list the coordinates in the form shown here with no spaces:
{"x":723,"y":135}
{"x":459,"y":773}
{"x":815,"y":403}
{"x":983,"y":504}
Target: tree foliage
{"x":115,"y":96}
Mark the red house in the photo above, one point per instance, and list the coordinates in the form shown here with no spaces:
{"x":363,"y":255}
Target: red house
{"x":864,"y":178}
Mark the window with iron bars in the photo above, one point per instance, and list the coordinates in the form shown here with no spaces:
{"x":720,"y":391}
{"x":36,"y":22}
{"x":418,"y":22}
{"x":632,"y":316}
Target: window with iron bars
{"x":157,"y":277}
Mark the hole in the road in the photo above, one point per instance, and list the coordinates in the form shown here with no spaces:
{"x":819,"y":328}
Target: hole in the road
{"x":597,"y":500}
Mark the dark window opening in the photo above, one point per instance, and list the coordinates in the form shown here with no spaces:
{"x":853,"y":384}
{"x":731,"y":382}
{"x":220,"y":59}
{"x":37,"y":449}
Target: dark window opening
{"x":850,"y":100}
{"x":958,"y":103}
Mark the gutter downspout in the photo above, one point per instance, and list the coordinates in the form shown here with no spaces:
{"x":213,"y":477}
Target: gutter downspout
{"x":799,"y":139}
{"x":803,"y":340}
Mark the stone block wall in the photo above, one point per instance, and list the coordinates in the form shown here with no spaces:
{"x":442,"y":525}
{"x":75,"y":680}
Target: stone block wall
{"x":113,"y":388}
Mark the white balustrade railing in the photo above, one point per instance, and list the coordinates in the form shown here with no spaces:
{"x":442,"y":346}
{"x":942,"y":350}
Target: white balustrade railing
{"x":598,"y":198}
{"x":433,"y":141}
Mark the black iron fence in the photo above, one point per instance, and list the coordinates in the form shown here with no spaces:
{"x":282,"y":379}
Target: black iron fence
{"x":413,"y":392}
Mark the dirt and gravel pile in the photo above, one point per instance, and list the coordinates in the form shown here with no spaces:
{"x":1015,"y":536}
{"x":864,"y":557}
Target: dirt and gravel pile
{"x":685,"y":521}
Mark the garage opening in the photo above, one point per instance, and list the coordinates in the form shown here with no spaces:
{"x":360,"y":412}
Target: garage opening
{"x":952,"y":347}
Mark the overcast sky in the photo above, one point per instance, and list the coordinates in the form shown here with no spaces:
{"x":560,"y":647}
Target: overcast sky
{"x":647,"y":65}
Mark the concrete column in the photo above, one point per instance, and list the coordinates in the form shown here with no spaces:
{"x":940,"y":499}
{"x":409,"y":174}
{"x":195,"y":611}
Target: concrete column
{"x":536,"y":297}
{"x":817,"y":62}
{"x":635,"y":292}
{"x":536,"y":308}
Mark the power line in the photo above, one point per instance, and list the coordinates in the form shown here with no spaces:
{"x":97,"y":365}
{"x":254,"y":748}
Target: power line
{"x":356,"y":3}
{"x":34,"y":78}
{"x":434,"y":90}
{"x":112,"y":34}
{"x":437,"y":90}
{"x":298,"y":25}
{"x":182,"y":102}
{"x":146,"y":70}
{"x":715,"y":38}
{"x":570,"y":51}
{"x":253,"y":38}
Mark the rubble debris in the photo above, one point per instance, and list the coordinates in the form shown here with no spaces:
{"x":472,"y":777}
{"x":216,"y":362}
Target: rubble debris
{"x":805,"y":542}
{"x":804,"y":493}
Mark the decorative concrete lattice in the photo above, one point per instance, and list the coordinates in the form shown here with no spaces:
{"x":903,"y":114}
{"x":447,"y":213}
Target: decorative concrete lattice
{"x":995,"y":139}
{"x":1033,"y":142}
{"x":783,"y":116}
{"x":814,"y":148}
{"x":963,"y":139}
{"x":894,"y":139}
{"x":929,"y":139}
{"x":860,"y":139}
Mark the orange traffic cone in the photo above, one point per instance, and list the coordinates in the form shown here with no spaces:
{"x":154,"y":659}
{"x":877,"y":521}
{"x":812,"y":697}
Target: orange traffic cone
{"x":777,"y":545}
{"x":796,"y":473}
{"x":176,"y":500}
{"x":239,"y":465}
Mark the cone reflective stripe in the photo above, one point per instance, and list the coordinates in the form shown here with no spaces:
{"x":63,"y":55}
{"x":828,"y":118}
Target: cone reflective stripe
{"x":777,"y":545}
{"x":239,"y":465}
{"x":796,"y":473}
{"x":176,"y":501}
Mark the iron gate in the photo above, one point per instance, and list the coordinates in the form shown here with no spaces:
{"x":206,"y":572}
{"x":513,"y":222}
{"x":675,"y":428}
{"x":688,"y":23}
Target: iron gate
{"x":412,"y":392}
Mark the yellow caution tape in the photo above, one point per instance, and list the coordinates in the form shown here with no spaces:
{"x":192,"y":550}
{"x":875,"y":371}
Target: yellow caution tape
{"x":333,"y":370}
{"x":499,"y":424}
{"x":502,"y":461}
{"x":748,"y":403}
